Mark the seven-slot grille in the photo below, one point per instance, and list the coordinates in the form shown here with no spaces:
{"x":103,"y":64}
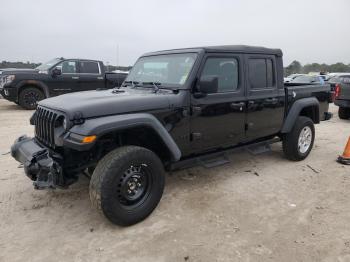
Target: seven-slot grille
{"x":44,"y":122}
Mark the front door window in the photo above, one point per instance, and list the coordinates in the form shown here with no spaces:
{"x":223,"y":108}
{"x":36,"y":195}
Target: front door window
{"x":68,"y":67}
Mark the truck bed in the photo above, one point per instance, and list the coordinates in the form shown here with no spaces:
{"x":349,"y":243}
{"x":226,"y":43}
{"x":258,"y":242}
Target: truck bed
{"x":322,"y":93}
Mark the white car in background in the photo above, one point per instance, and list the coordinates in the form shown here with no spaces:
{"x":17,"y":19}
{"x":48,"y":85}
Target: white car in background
{"x":291,"y":77}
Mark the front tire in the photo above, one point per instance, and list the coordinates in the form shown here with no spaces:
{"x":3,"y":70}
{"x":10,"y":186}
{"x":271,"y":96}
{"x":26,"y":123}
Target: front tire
{"x":344,"y":112}
{"x":298,"y":143}
{"x":29,"y":97}
{"x":127,"y":184}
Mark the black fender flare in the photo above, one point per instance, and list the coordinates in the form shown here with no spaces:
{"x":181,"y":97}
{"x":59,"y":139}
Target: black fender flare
{"x":37,"y":83}
{"x":108,"y":124}
{"x":295,"y":110}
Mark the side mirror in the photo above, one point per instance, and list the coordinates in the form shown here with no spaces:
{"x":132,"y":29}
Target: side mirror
{"x":207,"y":85}
{"x":56,"y":71}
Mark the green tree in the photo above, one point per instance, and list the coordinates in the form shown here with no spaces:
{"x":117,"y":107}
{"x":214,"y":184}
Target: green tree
{"x":339,"y":67}
{"x":294,"y":68}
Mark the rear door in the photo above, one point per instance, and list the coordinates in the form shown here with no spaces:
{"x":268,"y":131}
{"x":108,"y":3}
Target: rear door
{"x":218,"y":119}
{"x":265,"y":105}
{"x":91,"y":75}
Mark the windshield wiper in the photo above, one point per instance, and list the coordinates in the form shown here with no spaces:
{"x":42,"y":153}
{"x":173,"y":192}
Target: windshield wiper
{"x":158,"y":85}
{"x":154,"y":84}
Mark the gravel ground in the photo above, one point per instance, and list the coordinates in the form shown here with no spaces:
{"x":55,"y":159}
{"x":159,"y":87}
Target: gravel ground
{"x":257,"y":208}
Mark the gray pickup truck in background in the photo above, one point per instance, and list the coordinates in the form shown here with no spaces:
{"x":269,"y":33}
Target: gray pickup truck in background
{"x":341,"y":86}
{"x":27,"y":87}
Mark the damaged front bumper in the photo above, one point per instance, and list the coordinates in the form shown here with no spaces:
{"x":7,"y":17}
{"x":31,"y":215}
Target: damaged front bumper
{"x":40,"y":165}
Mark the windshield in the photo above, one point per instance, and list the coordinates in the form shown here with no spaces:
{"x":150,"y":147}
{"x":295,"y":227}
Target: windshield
{"x":48,"y":65}
{"x":334,"y":79}
{"x":303,"y":79}
{"x":171,"y":70}
{"x":338,"y":79}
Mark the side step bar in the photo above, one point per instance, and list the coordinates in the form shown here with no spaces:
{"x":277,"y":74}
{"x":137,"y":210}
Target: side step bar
{"x":219,"y":158}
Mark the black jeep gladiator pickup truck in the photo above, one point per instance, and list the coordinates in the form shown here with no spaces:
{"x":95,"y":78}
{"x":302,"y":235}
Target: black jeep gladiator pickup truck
{"x":175,"y":108}
{"x":59,"y":76}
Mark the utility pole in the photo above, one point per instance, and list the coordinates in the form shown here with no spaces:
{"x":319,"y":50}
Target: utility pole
{"x":117,"y":56}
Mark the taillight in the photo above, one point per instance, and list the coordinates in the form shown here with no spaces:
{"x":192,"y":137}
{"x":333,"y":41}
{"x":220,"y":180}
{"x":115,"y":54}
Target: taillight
{"x":337,"y":91}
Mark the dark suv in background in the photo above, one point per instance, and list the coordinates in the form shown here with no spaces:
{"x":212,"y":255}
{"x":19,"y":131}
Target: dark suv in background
{"x":59,"y":76}
{"x":341,"y":86}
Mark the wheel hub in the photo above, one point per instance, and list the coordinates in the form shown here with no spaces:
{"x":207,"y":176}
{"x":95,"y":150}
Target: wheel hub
{"x":305,"y":139}
{"x":31,"y":98}
{"x":133,"y":185}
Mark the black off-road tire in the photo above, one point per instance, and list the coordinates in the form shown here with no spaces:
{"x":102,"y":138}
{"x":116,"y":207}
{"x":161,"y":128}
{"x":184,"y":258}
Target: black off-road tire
{"x":290,"y":141}
{"x":29,"y":97}
{"x":109,"y":181}
{"x":344,"y":112}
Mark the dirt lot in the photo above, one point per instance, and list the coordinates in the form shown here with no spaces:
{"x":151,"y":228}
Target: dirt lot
{"x":257,"y":208}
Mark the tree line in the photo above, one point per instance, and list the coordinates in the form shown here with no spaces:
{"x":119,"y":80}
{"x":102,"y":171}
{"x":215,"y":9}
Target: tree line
{"x":7,"y":64}
{"x":297,"y":68}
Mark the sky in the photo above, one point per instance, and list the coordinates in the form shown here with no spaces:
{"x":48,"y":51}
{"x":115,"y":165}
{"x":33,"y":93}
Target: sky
{"x":118,"y":32}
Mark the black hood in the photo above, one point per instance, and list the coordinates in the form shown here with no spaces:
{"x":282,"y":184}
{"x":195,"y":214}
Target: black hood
{"x":109,"y":102}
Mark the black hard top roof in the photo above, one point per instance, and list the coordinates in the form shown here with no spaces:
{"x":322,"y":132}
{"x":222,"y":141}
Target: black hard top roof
{"x":223,"y":48}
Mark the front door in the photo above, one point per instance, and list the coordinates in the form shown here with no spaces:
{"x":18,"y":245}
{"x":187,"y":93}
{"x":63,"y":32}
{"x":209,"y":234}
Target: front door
{"x":67,"y":81}
{"x":218,"y":119}
{"x":265,"y":105}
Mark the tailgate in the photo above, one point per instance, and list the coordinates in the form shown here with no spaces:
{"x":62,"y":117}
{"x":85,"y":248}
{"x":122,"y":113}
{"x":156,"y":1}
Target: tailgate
{"x":344,"y":91}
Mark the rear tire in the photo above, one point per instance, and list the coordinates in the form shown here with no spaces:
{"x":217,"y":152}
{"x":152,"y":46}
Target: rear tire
{"x":298,"y":143}
{"x":29,"y":97}
{"x":127,"y":184}
{"x":344,"y":112}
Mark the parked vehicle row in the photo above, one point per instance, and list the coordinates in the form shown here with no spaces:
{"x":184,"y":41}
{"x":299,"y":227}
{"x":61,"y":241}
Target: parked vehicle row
{"x":59,"y":76}
{"x":175,"y":108}
{"x":306,"y":79}
{"x":291,"y":77}
{"x":311,"y":78}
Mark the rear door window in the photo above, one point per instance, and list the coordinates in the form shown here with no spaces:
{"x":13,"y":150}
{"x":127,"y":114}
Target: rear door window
{"x":261,"y":73}
{"x":270,"y":76}
{"x":346,"y":79}
{"x":89,"y":67}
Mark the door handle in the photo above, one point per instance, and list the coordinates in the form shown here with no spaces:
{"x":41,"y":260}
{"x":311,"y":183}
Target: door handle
{"x":75,"y":77}
{"x":237,"y":106}
{"x":196,"y":110}
{"x":271,"y":100}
